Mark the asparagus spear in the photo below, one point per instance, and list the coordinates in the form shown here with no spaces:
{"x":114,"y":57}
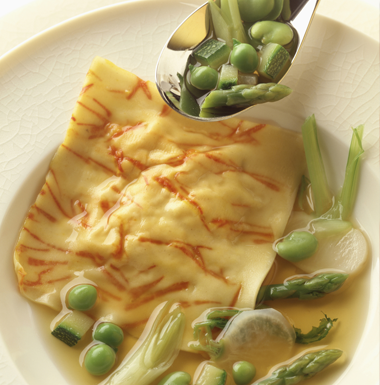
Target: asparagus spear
{"x":303,"y":368}
{"x":303,"y":288}
{"x":244,"y":94}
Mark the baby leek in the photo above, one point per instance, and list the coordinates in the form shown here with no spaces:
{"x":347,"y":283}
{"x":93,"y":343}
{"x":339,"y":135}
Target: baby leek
{"x":156,"y":352}
{"x":227,"y":21}
{"x":321,"y":193}
{"x":346,"y":200}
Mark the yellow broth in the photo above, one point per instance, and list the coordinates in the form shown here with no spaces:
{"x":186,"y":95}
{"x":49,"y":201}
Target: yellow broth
{"x":349,"y":305}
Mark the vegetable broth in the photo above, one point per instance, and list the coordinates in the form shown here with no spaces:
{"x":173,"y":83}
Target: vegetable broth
{"x":349,"y":304}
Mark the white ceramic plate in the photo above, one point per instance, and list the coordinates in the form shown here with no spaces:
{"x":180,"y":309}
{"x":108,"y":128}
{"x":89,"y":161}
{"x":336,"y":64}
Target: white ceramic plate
{"x":336,"y":77}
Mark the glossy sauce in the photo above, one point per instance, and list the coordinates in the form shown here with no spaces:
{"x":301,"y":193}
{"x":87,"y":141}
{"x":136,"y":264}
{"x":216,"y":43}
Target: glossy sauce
{"x":349,"y":305}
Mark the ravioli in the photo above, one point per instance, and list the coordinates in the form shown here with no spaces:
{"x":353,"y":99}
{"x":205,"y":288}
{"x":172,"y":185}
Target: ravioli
{"x":152,"y":206}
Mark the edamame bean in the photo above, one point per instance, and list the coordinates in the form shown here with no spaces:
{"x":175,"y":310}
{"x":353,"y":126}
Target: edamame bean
{"x":255,"y":10}
{"x":243,"y":372}
{"x":82,"y":297}
{"x":99,"y":359}
{"x":176,"y":378}
{"x":204,"y":78}
{"x":297,"y":246}
{"x":272,"y":32}
{"x":109,"y":333}
{"x":244,"y":57}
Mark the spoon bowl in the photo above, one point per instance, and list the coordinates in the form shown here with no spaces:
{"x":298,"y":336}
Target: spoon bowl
{"x":195,"y":29}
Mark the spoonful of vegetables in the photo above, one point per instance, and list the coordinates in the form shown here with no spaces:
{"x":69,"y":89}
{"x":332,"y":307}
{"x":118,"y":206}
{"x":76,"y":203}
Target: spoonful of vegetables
{"x":230,"y":55}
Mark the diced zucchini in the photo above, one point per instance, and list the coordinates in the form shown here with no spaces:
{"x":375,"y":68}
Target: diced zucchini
{"x":250,"y":79}
{"x":228,"y":77}
{"x":73,"y":327}
{"x":212,"y":375}
{"x":273,"y":58}
{"x":213,"y":53}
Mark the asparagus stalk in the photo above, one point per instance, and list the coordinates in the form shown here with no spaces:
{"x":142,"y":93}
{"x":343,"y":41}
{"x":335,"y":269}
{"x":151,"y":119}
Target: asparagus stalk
{"x":303,"y":368}
{"x":303,"y":288}
{"x":244,"y":94}
{"x":321,"y":193}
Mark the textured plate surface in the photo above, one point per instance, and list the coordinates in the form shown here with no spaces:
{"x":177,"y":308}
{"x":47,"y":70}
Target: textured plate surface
{"x":336,"y":77}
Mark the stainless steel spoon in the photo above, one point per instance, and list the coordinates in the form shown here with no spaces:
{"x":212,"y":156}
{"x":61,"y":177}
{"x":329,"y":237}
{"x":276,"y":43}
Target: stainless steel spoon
{"x":193,"y":31}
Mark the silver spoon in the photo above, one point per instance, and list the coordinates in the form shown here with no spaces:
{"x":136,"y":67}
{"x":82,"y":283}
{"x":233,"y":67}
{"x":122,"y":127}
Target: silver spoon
{"x":193,"y":31}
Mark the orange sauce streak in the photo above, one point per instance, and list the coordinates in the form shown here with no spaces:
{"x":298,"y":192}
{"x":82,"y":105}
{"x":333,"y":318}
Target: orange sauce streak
{"x":236,"y":297}
{"x":88,"y":159}
{"x":43,"y":192}
{"x":21,"y":248}
{"x":136,"y":163}
{"x":105,"y":205}
{"x":193,"y":252}
{"x":91,"y":72}
{"x":108,"y":112}
{"x":87,"y":254}
{"x":141,"y":290}
{"x":54,"y":176}
{"x":102,"y":166}
{"x":143,"y":85}
{"x":165,"y":110}
{"x":113,"y":280}
{"x":85,"y":88}
{"x":118,"y":253}
{"x":30,"y":216}
{"x":166,"y":183}
{"x":41,"y":262}
{"x":39,"y":280}
{"x":45,"y":243}
{"x":101,"y":117}
{"x":59,"y":279}
{"x":44,"y":213}
{"x":179,"y":286}
{"x":72,"y":118}
{"x":114,"y":188}
{"x":56,"y":201}
{"x":113,"y":267}
{"x":147,"y":269}
{"x":104,"y":293}
{"x":134,"y":324}
{"x":126,"y":129}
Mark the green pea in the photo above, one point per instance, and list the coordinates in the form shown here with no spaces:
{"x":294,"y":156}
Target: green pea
{"x":99,"y":359}
{"x":176,"y":378}
{"x":254,"y":10}
{"x":272,"y":32}
{"x":82,"y":297}
{"x":204,"y":78}
{"x":244,"y":58}
{"x":297,"y":246}
{"x":109,"y":333}
{"x":243,"y":372}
